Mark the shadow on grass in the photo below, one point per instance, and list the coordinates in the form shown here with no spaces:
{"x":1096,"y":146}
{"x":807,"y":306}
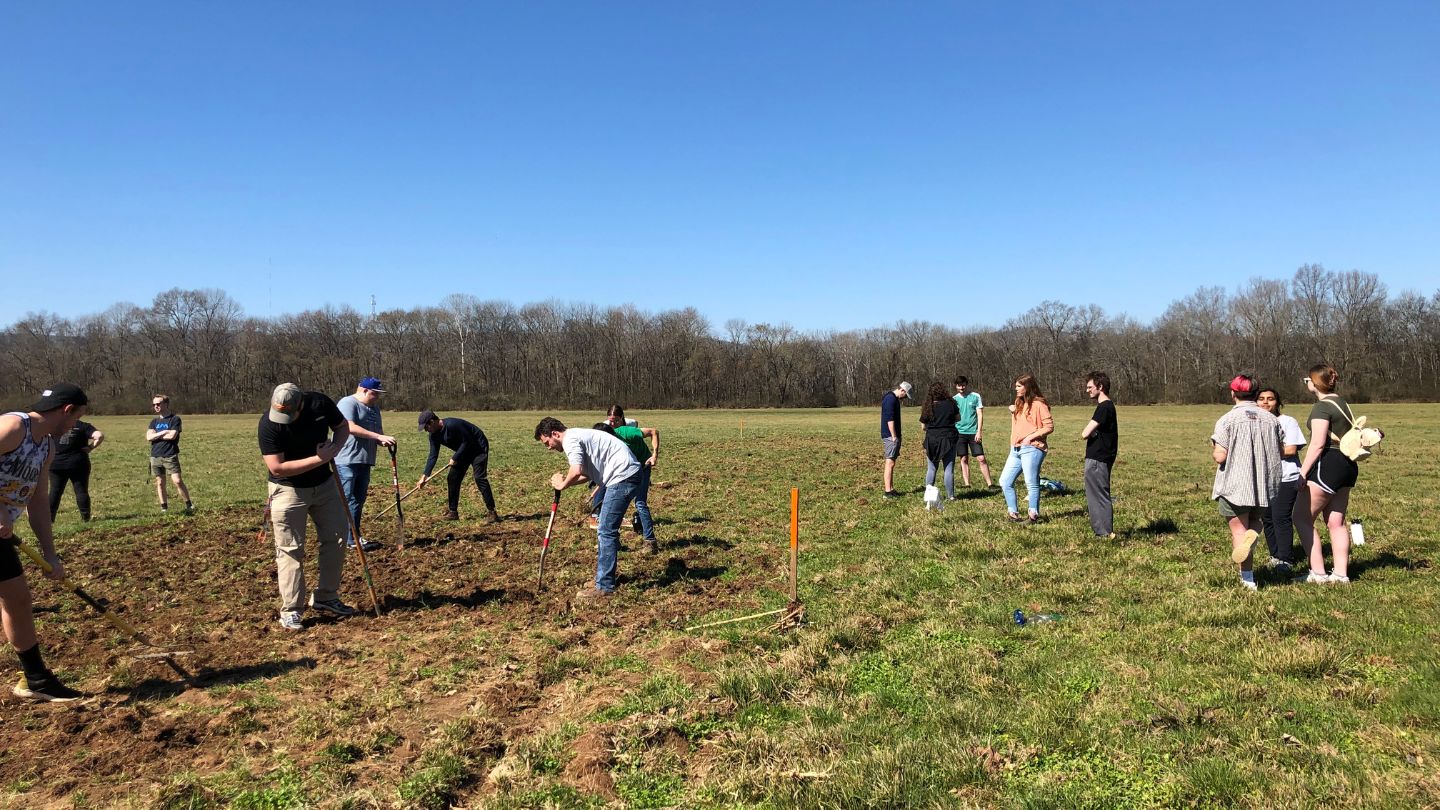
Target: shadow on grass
{"x":1386,"y":560}
{"x":161,"y":688}
{"x":693,"y":519}
{"x":694,"y":541}
{"x":429,"y":600}
{"x":678,"y":571}
{"x":1158,"y":526}
{"x":532,"y":516}
{"x":427,"y":542}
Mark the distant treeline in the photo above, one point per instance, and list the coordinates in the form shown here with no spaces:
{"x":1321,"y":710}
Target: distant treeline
{"x":200,"y":347}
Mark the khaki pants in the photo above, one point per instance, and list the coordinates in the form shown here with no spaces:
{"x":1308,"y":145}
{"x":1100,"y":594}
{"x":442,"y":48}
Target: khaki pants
{"x":289,"y":507}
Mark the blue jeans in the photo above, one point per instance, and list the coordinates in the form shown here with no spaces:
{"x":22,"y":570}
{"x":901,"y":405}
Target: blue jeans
{"x":1029,"y":459}
{"x":642,"y":504}
{"x":355,"y":480}
{"x":612,"y":510}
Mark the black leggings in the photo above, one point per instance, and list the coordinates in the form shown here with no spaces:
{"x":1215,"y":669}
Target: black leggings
{"x":480,"y":464}
{"x":81,"y":477}
{"x":1279,"y":521}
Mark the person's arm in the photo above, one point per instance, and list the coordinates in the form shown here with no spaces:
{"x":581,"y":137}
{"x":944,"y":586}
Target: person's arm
{"x":1318,"y":427}
{"x":654,"y":436}
{"x":360,"y":432}
{"x":11,"y":434}
{"x":1090,"y":427}
{"x":1218,"y":453}
{"x":569,"y":478}
{"x":1047,"y":425}
{"x":979,"y":420}
{"x":152,"y":435}
{"x":37,"y":510}
{"x":325,"y":452}
{"x":434,"y":454}
{"x":96,"y":437}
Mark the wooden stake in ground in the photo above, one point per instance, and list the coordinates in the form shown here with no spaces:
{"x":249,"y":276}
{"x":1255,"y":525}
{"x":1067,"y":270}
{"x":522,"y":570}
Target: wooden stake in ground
{"x":795,"y":611}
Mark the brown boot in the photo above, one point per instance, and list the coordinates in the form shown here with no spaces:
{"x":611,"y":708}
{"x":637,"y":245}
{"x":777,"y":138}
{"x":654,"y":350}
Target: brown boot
{"x":450,"y":514}
{"x":494,"y":516}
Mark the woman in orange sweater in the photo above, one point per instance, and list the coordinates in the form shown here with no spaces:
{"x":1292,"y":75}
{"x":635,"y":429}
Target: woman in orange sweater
{"x":1030,"y":423}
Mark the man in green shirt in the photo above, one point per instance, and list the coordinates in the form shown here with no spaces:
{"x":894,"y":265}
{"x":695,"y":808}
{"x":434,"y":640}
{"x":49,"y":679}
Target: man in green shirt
{"x":972,"y":421}
{"x":634,"y":438}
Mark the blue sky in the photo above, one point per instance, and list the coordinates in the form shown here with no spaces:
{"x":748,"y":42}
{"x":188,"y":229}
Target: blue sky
{"x":828,"y":165}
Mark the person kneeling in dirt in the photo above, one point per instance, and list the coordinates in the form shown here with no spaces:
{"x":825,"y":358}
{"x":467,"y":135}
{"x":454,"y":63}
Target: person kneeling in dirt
{"x":26,"y":446}
{"x":596,"y":456}
{"x":472,"y":450}
{"x":299,"y":436}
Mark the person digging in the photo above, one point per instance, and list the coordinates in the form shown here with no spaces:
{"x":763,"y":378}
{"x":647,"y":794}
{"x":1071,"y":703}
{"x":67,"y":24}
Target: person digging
{"x":596,"y":456}
{"x":472,"y":452}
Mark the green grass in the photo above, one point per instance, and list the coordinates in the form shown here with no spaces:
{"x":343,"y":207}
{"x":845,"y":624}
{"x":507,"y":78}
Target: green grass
{"x":1165,"y":685}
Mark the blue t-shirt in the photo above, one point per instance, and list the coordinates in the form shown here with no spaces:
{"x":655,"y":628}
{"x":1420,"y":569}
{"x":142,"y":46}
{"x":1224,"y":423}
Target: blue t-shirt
{"x":889,"y":412}
{"x":356,"y":449}
{"x":969,"y":405}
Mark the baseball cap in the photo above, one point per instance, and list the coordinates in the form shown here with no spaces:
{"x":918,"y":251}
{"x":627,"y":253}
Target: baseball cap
{"x":373,"y":384}
{"x":907,"y":388}
{"x":1243,"y":384}
{"x":425,"y":417}
{"x":285,"y":403}
{"x":59,"y":395}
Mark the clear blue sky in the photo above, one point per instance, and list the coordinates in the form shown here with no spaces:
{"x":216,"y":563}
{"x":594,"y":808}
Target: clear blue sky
{"x":829,"y":165}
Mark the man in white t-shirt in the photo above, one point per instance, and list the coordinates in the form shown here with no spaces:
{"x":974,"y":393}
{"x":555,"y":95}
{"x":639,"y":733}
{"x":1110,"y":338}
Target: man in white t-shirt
{"x":597,"y":456}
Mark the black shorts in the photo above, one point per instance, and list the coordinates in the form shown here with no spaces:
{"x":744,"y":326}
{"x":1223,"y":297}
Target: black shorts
{"x":9,"y":560}
{"x":1334,"y":471}
{"x":968,"y":446}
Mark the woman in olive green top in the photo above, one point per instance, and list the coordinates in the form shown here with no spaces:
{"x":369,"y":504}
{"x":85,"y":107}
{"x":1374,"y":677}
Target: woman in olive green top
{"x":1328,"y":476}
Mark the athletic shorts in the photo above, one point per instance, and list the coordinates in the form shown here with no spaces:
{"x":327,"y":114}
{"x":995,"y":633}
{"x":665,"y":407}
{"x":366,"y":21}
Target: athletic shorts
{"x":1246,"y":513}
{"x":160,"y":466}
{"x":9,"y":560}
{"x":1334,"y":471}
{"x":968,"y":446}
{"x":892,"y":448}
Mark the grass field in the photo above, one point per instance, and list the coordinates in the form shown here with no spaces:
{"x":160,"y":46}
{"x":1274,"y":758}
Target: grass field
{"x":1164,"y":685}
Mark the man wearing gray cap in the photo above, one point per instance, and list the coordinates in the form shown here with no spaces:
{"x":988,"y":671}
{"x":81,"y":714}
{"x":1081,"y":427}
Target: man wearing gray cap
{"x":299,"y":436}
{"x":890,"y":432}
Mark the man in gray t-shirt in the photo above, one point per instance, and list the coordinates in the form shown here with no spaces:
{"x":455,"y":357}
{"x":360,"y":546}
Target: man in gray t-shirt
{"x":595,"y":455}
{"x":353,"y":463}
{"x":1247,"y":445}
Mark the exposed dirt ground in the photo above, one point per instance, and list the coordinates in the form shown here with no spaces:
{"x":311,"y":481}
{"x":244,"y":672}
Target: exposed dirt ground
{"x":461,"y":627}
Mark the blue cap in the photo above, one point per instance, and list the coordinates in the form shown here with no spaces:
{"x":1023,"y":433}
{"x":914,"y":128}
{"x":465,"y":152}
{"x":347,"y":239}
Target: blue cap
{"x":373,"y":384}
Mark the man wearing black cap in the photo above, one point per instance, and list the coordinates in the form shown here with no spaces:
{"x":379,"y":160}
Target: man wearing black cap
{"x":362,"y":410}
{"x":472,"y":450}
{"x":299,"y":436}
{"x":26,"y":446}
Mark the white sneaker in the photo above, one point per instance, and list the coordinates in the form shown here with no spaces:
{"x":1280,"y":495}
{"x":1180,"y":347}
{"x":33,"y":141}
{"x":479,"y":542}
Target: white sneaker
{"x":1240,"y":550}
{"x":1313,"y":578}
{"x":290,"y":620}
{"x":1248,"y":585}
{"x":1336,"y":579}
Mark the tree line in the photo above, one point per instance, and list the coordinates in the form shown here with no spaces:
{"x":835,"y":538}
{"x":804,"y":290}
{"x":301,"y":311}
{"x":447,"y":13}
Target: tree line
{"x":201,"y":348}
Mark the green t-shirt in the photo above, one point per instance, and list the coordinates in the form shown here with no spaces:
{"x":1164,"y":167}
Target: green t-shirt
{"x":968,"y":405}
{"x":1332,"y":408}
{"x":635,"y":440}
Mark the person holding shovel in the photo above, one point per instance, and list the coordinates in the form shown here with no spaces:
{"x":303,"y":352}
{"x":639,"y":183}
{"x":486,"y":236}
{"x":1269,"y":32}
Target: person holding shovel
{"x":472,"y":450}
{"x":26,"y":447}
{"x":362,"y":410}
{"x":300,"y":435}
{"x":595,"y":455}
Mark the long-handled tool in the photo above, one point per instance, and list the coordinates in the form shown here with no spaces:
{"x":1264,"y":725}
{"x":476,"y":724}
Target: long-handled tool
{"x":355,"y":538}
{"x":399,"y":512}
{"x":423,"y":481}
{"x":545,"y":545}
{"x":115,"y":621}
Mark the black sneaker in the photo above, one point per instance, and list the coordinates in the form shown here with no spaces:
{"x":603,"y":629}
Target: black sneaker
{"x":892,"y":494}
{"x":46,"y":690}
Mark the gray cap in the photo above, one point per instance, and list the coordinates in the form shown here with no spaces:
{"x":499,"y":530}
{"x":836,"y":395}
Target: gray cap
{"x":907,"y":388}
{"x":285,"y":403}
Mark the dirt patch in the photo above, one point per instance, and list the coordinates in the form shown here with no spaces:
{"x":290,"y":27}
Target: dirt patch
{"x":463,"y":633}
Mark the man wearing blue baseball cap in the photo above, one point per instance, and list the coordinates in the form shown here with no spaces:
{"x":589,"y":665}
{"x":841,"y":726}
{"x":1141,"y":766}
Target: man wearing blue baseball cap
{"x":357,"y":457}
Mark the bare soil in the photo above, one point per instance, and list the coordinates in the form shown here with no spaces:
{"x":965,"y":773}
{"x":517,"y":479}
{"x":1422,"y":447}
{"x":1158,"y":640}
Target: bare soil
{"x":462,"y":632}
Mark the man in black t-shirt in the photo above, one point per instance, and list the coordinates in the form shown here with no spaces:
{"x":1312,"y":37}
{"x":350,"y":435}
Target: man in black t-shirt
{"x":164,"y":438}
{"x":472,"y":451}
{"x":1102,"y":441}
{"x":299,"y":436}
{"x":72,"y":464}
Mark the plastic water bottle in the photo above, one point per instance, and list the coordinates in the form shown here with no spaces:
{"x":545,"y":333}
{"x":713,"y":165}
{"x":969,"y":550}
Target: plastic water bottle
{"x":1357,"y":532}
{"x":1042,"y":618}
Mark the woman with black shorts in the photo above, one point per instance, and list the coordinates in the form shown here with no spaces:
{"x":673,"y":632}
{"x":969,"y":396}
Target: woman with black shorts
{"x":1328,"y":474}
